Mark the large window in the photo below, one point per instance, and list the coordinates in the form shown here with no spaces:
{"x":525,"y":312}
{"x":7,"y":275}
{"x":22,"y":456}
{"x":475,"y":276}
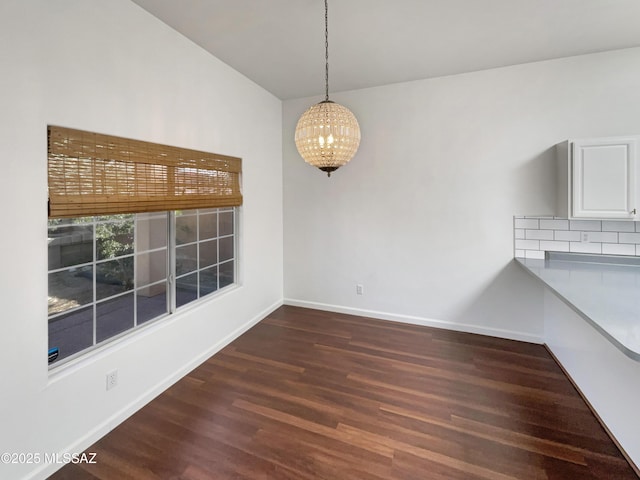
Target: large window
{"x":111,"y":274}
{"x":137,"y":230}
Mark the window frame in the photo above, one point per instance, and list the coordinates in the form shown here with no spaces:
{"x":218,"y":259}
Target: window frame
{"x":170,"y":281}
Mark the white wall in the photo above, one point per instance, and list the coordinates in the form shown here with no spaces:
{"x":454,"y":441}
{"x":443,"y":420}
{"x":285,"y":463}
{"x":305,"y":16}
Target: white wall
{"x":422,"y":216}
{"x":109,"y":67}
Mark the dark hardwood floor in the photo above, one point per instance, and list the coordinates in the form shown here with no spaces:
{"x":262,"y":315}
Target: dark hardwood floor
{"x":316,"y":395}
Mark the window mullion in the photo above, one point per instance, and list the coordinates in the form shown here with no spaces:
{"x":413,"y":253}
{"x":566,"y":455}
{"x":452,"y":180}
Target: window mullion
{"x":198,"y":274}
{"x":135,"y":270}
{"x":95,"y":280}
{"x":171,"y":261}
{"x":217,"y":267}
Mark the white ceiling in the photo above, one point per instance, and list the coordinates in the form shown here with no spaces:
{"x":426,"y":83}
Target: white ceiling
{"x":279,"y":44}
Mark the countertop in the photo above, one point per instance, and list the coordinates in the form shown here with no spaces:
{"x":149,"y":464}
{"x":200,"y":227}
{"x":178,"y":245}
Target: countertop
{"x":605,"y":290}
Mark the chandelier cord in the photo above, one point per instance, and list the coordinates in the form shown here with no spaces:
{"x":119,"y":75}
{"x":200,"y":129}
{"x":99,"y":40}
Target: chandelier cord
{"x":326,"y":49}
{"x":327,"y":135}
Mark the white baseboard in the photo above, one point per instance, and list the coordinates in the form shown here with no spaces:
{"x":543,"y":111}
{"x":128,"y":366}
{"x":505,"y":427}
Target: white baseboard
{"x":413,"y":320}
{"x":112,"y":422}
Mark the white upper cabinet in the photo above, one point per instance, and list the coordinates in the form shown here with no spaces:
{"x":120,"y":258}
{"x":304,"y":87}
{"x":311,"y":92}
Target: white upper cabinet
{"x":597,"y":178}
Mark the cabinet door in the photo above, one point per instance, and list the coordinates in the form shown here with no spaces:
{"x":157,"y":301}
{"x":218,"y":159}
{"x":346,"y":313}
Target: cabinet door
{"x":604,"y":179}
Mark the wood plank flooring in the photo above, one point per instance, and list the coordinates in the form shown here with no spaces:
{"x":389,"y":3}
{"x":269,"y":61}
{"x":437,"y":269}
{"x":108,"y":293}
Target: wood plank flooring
{"x":315,"y":395}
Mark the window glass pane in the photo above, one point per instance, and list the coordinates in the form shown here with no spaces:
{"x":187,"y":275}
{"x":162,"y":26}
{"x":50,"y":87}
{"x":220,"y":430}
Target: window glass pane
{"x":226,"y":273}
{"x":226,"y":248}
{"x":186,"y":228}
{"x":113,"y":277}
{"x":151,"y":267}
{"x":182,"y":213}
{"x":56,"y":222}
{"x":208,"y":226}
{"x":225,"y":223}
{"x":208,"y":253}
{"x":70,"y":289}
{"x":122,"y":217}
{"x":186,"y":289}
{"x":208,"y":281}
{"x":151,"y":231}
{"x":114,"y":316}
{"x":186,"y":259}
{"x":70,"y":245}
{"x":151,"y":302}
{"x":71,"y":333}
{"x":114,"y":239}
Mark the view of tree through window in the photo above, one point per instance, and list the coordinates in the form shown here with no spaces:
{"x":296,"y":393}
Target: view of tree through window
{"x":111,"y":274}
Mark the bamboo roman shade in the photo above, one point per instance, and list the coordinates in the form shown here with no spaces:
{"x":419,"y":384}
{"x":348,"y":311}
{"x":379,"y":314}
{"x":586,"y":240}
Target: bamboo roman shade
{"x":94,"y":174}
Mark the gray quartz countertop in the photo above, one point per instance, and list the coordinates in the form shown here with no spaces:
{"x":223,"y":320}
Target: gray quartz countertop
{"x":605,"y":290}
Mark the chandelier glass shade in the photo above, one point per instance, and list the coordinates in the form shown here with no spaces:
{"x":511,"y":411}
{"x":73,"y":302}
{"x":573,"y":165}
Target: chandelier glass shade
{"x":327,"y":135}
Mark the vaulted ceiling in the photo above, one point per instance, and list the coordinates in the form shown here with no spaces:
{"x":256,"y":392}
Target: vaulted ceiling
{"x":279,"y":44}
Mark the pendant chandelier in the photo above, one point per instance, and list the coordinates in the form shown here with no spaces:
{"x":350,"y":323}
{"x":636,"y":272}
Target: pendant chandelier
{"x":327,"y":135}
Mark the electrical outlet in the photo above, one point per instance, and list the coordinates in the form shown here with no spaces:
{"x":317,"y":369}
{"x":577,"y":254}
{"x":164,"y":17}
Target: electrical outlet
{"x":112,"y":379}
{"x":359,"y":289}
{"x":585,"y":237}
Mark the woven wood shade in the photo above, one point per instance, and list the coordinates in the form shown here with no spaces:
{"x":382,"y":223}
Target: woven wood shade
{"x":94,"y":174}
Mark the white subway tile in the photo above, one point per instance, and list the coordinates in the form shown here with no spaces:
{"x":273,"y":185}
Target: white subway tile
{"x":617,"y":226}
{"x":608,"y":237}
{"x":638,"y":250}
{"x":519,"y":233}
{"x":528,"y":244}
{"x":527,"y":223}
{"x":534,"y":254}
{"x":586,"y":225}
{"x":519,"y":254}
{"x":637,"y":226}
{"x":618,"y":249}
{"x":554,"y":224}
{"x":554,"y":246}
{"x":539,"y":234}
{"x":629,"y":237}
{"x":579,"y":247}
{"x":568,"y":236}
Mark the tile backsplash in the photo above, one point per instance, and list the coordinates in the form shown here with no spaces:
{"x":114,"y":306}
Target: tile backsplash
{"x":533,"y":236}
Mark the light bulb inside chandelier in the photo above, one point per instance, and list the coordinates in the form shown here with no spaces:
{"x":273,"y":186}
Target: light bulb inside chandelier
{"x":327,"y":135}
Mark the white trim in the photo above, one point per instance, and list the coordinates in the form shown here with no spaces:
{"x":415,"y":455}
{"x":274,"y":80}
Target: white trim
{"x":414,"y":320}
{"x":116,"y":419}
